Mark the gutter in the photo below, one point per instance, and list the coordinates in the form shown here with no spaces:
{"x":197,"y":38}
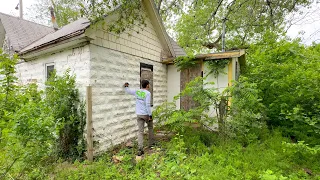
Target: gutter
{"x":69,"y":36}
{"x":77,"y":41}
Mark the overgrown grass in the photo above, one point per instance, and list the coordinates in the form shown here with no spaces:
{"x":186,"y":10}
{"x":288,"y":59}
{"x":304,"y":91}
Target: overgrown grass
{"x":202,"y":155}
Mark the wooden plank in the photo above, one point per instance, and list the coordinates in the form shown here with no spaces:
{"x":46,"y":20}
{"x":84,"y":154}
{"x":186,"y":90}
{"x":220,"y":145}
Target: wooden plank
{"x":89,"y":124}
{"x":211,"y":56}
{"x":221,"y":55}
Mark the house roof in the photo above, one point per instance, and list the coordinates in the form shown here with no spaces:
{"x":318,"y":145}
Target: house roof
{"x":21,"y":32}
{"x":213,"y":56}
{"x":221,"y":55}
{"x":26,"y":36}
{"x":66,"y":32}
{"x":177,"y":49}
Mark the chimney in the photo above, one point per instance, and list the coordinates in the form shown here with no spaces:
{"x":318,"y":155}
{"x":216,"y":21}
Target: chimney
{"x":53,"y":19}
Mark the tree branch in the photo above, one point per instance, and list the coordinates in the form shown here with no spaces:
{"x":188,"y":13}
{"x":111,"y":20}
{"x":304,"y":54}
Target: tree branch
{"x":159,"y":5}
{"x":215,"y":44}
{"x":271,"y":11}
{"x":213,"y":14}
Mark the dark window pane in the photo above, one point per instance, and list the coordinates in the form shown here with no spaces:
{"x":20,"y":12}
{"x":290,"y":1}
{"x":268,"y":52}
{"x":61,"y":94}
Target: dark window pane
{"x":50,"y":70}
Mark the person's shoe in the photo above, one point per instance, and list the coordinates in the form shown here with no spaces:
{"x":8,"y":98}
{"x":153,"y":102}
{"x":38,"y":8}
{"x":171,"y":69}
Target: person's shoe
{"x":153,"y":144}
{"x":140,"y":152}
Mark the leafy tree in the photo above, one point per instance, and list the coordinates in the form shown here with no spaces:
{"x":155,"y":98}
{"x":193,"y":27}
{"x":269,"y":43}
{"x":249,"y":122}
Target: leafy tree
{"x":66,"y":11}
{"x":200,"y":27}
{"x":197,"y":23}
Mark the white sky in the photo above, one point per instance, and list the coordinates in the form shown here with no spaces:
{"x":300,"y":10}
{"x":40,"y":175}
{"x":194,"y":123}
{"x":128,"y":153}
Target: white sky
{"x":310,"y":23}
{"x":8,"y":6}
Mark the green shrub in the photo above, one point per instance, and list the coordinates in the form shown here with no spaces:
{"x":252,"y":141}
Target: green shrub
{"x":287,"y":76}
{"x":62,"y":96}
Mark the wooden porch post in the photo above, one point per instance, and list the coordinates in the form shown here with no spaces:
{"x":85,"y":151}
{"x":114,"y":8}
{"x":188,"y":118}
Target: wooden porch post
{"x":89,"y":124}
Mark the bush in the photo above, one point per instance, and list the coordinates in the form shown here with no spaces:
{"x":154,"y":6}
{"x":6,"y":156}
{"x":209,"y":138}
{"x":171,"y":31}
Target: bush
{"x":68,"y":111}
{"x":35,"y":128}
{"x":287,"y":76}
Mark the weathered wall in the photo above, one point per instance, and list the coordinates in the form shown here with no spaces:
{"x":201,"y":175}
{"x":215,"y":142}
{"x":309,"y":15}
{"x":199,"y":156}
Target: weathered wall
{"x":114,"y":119}
{"x":220,"y":82}
{"x":78,"y":60}
{"x":139,"y":42}
{"x":186,"y":76}
{"x":173,"y":81}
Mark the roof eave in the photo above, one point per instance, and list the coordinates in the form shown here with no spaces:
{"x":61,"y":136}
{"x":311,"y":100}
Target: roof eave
{"x":213,"y":56}
{"x":69,"y":36}
{"x":72,"y":42}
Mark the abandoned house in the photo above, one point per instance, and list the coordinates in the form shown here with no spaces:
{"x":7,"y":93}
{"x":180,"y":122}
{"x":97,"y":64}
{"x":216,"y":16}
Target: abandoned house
{"x":104,"y":61}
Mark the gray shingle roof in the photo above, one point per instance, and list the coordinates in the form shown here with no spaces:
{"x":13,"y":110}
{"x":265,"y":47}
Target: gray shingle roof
{"x":77,"y":28}
{"x":176,"y":48}
{"x":73,"y":29}
{"x":21,"y":32}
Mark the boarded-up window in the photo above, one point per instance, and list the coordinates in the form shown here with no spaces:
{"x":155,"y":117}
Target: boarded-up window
{"x":146,"y":73}
{"x":49,"y":70}
{"x":188,"y":75}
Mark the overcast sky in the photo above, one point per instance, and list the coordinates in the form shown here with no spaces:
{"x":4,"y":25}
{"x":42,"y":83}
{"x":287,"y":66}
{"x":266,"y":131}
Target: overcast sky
{"x":309,"y":23}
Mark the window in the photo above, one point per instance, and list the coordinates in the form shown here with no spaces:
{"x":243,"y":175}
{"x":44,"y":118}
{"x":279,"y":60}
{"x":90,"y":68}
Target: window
{"x":146,"y":73}
{"x":49,"y":70}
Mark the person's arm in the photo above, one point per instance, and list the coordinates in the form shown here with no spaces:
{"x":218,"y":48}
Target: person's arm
{"x":129,"y":91}
{"x":148,"y":105}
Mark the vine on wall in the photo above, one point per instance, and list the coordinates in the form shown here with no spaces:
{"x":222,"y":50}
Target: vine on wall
{"x":185,"y":62}
{"x":217,"y":66}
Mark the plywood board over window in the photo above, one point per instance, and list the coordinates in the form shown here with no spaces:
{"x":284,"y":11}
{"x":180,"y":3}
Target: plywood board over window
{"x":146,"y":73}
{"x":188,"y":75}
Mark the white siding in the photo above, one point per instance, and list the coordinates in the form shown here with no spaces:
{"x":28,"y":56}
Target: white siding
{"x":220,"y":82}
{"x":114,"y":119}
{"x":141,"y":42}
{"x":173,"y":81}
{"x":78,"y":60}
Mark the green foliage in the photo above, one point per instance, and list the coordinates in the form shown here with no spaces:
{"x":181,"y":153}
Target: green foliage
{"x":62,"y":97}
{"x":185,"y":62}
{"x":199,"y":26}
{"x":126,"y":14}
{"x":66,"y":11}
{"x":302,"y":153}
{"x":187,"y":156}
{"x":247,"y":112}
{"x":168,"y":115}
{"x":217,"y":66}
{"x":7,"y":82}
{"x":32,"y":124}
{"x":287,"y":77}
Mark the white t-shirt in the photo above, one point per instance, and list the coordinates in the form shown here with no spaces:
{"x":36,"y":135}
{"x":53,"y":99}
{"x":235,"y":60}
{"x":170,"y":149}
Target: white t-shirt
{"x":143,"y":101}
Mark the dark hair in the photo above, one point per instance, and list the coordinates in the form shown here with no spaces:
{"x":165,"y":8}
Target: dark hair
{"x":144,"y":83}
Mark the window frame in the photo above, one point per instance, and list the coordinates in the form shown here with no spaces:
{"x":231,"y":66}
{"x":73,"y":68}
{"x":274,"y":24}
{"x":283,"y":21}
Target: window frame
{"x":46,"y":69}
{"x":149,"y":67}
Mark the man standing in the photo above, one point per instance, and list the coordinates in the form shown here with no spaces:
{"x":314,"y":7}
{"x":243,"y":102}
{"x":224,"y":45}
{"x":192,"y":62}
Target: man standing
{"x":143,"y":111}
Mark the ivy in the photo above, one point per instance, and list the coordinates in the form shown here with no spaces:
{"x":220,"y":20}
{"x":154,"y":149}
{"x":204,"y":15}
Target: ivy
{"x":185,"y":62}
{"x":217,"y":66}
